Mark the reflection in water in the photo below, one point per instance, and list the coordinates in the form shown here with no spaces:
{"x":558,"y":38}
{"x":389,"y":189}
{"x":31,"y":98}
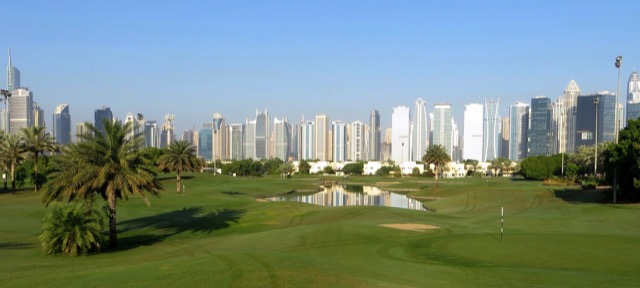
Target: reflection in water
{"x":339,"y":195}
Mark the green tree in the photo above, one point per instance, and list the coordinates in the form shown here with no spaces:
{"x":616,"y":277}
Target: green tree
{"x":285,"y":169}
{"x":438,"y":156}
{"x":328,"y":169}
{"x":353,"y":168}
{"x":540,"y":167}
{"x":304,"y":167}
{"x":622,"y":161}
{"x":13,"y":152}
{"x":179,"y":157}
{"x":36,"y":143}
{"x":110,"y":164}
{"x":70,"y":228}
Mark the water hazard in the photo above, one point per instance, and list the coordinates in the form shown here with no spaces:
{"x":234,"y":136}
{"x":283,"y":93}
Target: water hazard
{"x":354,"y":195}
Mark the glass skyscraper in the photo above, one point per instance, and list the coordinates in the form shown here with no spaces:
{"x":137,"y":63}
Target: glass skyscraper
{"x":473,"y":132}
{"x":419,"y":131}
{"x":490,"y":125}
{"x":62,"y":124}
{"x":540,"y":128}
{"x":339,"y":132}
{"x":519,"y":125}
{"x":633,"y":96}
{"x":400,"y":133}
{"x":443,"y":127}
{"x":101,"y":115}
{"x":375,"y":139}
{"x":586,"y":118}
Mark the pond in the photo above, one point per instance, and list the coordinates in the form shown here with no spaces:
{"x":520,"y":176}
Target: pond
{"x":354,"y":195}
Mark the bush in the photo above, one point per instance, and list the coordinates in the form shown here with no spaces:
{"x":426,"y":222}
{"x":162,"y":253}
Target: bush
{"x":589,"y":185}
{"x":71,"y":228}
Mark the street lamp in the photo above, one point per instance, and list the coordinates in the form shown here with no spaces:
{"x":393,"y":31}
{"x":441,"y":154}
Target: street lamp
{"x":596,"y":101}
{"x":402,"y":160}
{"x":618,"y":64}
{"x":561,"y":143}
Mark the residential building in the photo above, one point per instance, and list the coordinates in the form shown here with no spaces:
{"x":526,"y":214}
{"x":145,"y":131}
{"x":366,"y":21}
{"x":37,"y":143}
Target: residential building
{"x":472,"y":139}
{"x":569,"y":102}
{"x":519,"y":125}
{"x":490,"y":127}
{"x":100,"y":115}
{"x":356,"y":142}
{"x":419,"y":131}
{"x":339,"y":133}
{"x":219,"y":140}
{"x":38,"y":116}
{"x":236,"y":141}
{"x":400,"y":136}
{"x":539,"y":141}
{"x":62,"y":124}
{"x":322,"y":137}
{"x":588,"y":122}
{"x":375,"y":137}
{"x":262,"y":135}
{"x":442,"y":127}
{"x":282,"y":138}
{"x":151,"y":134}
{"x":633,"y":96}
{"x":306,"y":140}
{"x":20,"y":110}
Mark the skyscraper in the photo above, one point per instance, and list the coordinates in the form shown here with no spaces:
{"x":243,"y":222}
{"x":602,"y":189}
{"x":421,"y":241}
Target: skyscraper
{"x":236,"y":141}
{"x":282,"y":140}
{"x":219,"y":140}
{"x":540,"y":127}
{"x":419,"y":131}
{"x":13,"y":76}
{"x":375,"y":137}
{"x":633,"y":96}
{"x":167,"y":134}
{"x":322,"y":137}
{"x":356,"y":141}
{"x":472,"y":139}
{"x":249,"y":145}
{"x":519,"y":125}
{"x":306,"y":140}
{"x":20,"y":110}
{"x":205,"y":142}
{"x":339,"y":132}
{"x":62,"y":124}
{"x":505,"y":133}
{"x":586,"y":118}
{"x":569,"y":102}
{"x":262,"y":133}
{"x":100,"y":115}
{"x":38,"y":116}
{"x":151,"y":134}
{"x":442,"y":127}
{"x":400,"y":135}
{"x":491,"y":124}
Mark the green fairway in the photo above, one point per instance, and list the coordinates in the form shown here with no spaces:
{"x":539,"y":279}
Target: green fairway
{"x":219,"y":235}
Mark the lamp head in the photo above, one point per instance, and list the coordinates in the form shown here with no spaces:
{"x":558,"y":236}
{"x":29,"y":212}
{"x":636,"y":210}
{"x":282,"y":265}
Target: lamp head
{"x":618,"y":61}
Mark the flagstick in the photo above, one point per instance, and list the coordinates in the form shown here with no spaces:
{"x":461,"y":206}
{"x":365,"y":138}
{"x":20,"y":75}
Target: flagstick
{"x":501,"y":223}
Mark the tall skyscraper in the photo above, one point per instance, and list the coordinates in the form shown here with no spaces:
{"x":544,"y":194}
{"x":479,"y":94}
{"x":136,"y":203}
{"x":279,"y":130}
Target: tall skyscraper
{"x":262,"y":133}
{"x":540,"y":127}
{"x":20,"y":110}
{"x":13,"y":76}
{"x":557,"y":111}
{"x":151,"y":134}
{"x":442,"y":127}
{"x":100,"y":115}
{"x":400,"y":135}
{"x":167,"y":134}
{"x":250,"y":139}
{"x":519,"y":125}
{"x":282,"y":138}
{"x":419,"y":131}
{"x":569,"y":102}
{"x":505,"y":133}
{"x":205,"y":142}
{"x":38,"y":116}
{"x":306,"y":140}
{"x":375,"y":137}
{"x":219,"y":140}
{"x":472,"y":139}
{"x":356,"y":141}
{"x":586,"y":118}
{"x":188,"y":136}
{"x":236,"y":141}
{"x":62,"y":124}
{"x":322,"y":137}
{"x":491,"y":124}
{"x":633,"y":96}
{"x":339,"y":132}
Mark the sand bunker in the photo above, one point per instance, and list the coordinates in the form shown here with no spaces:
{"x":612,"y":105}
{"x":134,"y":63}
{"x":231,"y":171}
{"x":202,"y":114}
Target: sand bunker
{"x":410,"y":226}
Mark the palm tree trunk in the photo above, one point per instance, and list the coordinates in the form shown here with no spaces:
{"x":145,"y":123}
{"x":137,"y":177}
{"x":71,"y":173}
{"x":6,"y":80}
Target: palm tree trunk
{"x":35,"y":172}
{"x":179,"y":182}
{"x":13,"y":177}
{"x":113,"y":233}
{"x":437,"y":175}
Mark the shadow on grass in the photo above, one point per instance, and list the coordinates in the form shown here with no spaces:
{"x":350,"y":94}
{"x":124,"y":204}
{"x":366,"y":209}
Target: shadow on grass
{"x":581,"y":196}
{"x":173,"y":177}
{"x":191,"y":219}
{"x":233,"y":193}
{"x":15,"y":245}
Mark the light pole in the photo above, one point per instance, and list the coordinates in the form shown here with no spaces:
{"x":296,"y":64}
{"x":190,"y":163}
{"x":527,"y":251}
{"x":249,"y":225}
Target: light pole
{"x":402,"y":160}
{"x":596,"y":101}
{"x":561,"y":148}
{"x":615,"y":169}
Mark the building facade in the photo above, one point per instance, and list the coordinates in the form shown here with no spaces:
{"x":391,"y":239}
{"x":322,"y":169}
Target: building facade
{"x":518,"y":127}
{"x":339,"y":143}
{"x":443,"y":127}
{"x":472,"y":138}
{"x":539,"y":140}
{"x":62,"y":124}
{"x":491,"y":128}
{"x":99,"y":116}
{"x":588,"y":120}
{"x":400,"y":134}
{"x":375,"y":136}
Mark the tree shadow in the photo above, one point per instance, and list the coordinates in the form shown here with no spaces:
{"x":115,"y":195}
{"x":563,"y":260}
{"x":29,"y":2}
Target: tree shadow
{"x":16,"y":245}
{"x":581,"y":196}
{"x":191,"y":219}
{"x":233,"y":193}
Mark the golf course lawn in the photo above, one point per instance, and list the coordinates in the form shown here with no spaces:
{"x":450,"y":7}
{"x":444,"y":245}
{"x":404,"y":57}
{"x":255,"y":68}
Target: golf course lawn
{"x":219,"y":235}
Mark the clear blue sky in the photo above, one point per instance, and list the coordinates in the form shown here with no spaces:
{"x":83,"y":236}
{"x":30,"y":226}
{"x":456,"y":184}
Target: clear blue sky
{"x":342,"y":58}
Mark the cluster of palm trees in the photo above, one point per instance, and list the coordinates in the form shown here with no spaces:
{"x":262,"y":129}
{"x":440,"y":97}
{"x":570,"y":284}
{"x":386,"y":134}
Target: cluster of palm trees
{"x":30,"y":143}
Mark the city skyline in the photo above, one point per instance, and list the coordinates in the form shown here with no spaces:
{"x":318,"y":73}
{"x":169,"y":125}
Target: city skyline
{"x":328,"y":57}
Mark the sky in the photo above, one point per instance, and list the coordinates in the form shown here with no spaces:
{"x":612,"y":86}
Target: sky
{"x":302,"y":58}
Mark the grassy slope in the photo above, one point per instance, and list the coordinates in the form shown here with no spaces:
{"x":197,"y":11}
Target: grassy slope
{"x":219,"y":235}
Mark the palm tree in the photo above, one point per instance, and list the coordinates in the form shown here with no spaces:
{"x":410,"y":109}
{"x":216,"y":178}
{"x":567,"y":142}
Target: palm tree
{"x":180,"y":157}
{"x":71,"y":229}
{"x":37,"y":142}
{"x":436,"y":155}
{"x":12,"y":150}
{"x":109,"y":164}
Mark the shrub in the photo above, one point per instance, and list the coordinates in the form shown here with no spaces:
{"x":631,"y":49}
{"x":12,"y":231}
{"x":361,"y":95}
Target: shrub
{"x":71,"y":228}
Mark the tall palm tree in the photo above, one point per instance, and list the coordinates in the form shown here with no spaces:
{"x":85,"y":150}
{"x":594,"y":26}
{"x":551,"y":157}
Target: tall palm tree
{"x":436,"y":155}
{"x":109,"y":164}
{"x":12,"y":150}
{"x":180,"y":157}
{"x":37,"y":142}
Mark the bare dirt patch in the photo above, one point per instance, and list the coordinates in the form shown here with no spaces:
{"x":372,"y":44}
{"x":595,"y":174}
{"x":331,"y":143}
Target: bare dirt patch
{"x":411,"y":226}
{"x":262,"y":200}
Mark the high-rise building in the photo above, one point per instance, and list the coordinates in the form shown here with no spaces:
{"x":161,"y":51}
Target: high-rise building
{"x":456,"y":149}
{"x":442,"y":127}
{"x":236,"y":141}
{"x":62,"y":124}
{"x":401,"y":134}
{"x":205,"y":142}
{"x":38,"y":116}
{"x":539,"y":141}
{"x":249,"y":145}
{"x":151,"y":134}
{"x":505,"y":132}
{"x":219,"y":140}
{"x":586,"y":118}
{"x":472,"y":143}
{"x":306,"y":140}
{"x":188,"y":136}
{"x":557,"y":111}
{"x":322,"y":137}
{"x":519,"y":125}
{"x":81,"y":129}
{"x":167,"y":134}
{"x":100,"y":115}
{"x":262,"y":133}
{"x":633,"y":96}
{"x":132,"y":121}
{"x":339,"y":133}
{"x":491,"y":124}
{"x":282,"y":138}
{"x":419,"y":131}
{"x":20,"y":110}
{"x":569,"y":102}
{"x":356,"y":141}
{"x":375,"y":137}
{"x":385,"y":152}
{"x":13,"y":76}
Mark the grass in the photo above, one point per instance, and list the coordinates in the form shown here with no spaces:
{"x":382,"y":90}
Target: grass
{"x":218,"y":235}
